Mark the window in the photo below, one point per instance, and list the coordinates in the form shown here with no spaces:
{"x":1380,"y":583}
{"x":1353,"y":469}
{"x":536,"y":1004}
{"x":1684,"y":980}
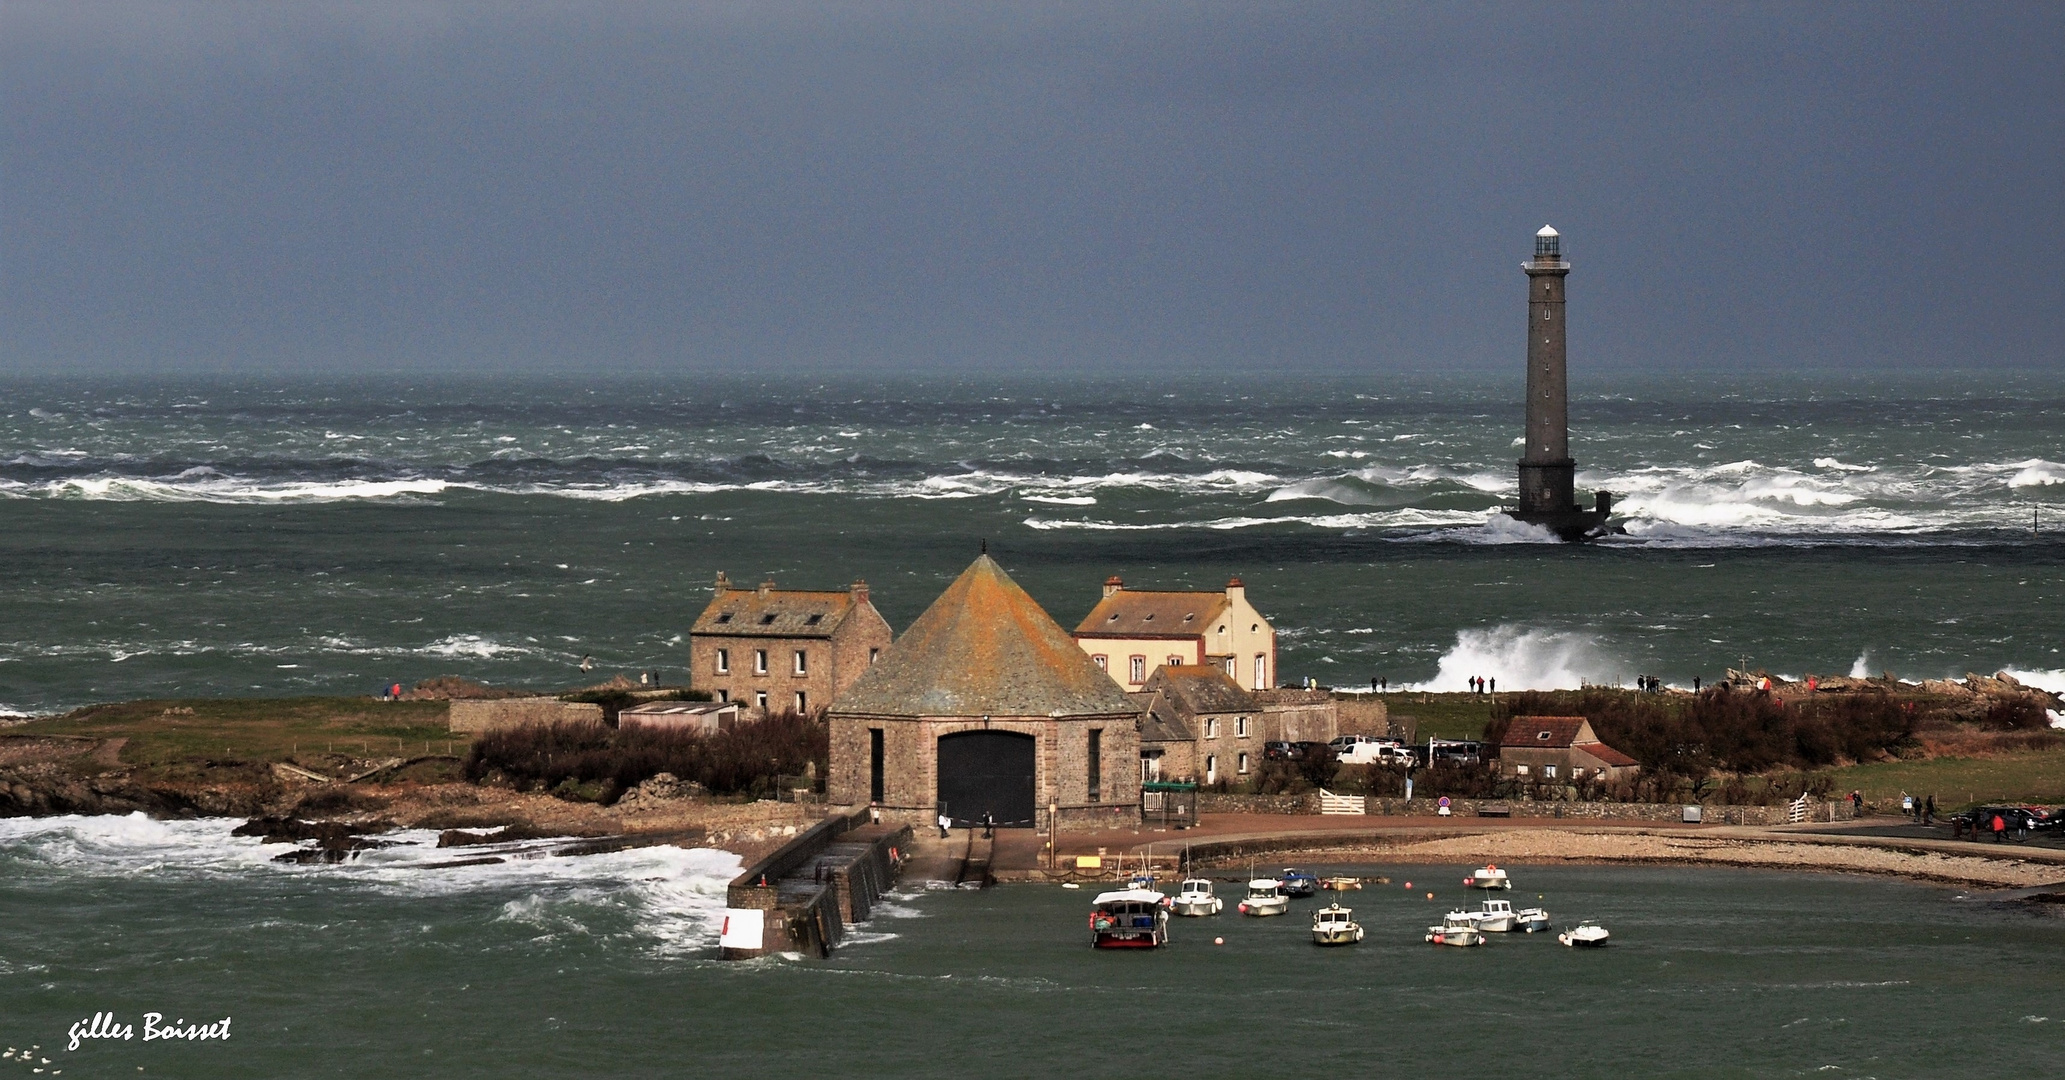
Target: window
{"x":1139,"y":669}
{"x":723,"y":695}
{"x":1232,"y":668}
{"x":814,"y":620}
{"x":724,"y":618}
{"x":1103,"y":663}
{"x":1244,"y":764}
{"x":1211,"y":768}
{"x":724,"y":661}
{"x":1261,"y":672}
{"x":1096,"y":764}
{"x":1211,"y":727}
{"x":767,"y":619}
{"x":802,"y":704}
{"x":1240,"y":727}
{"x":802,"y":662}
{"x":759,"y":661}
{"x":760,"y":700}
{"x":1549,"y":771}
{"x":1175,"y":661}
{"x":874,"y":655}
{"x":1520,"y":770}
{"x":875,"y":764}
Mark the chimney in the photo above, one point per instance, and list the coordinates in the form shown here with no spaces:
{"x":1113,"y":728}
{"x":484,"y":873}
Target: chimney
{"x":723,"y":582}
{"x":767,"y":586}
{"x":1235,"y":590}
{"x":859,"y":589}
{"x":1113,"y":584}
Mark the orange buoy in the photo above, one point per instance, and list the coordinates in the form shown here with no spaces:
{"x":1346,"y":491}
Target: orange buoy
{"x":1430,"y":896}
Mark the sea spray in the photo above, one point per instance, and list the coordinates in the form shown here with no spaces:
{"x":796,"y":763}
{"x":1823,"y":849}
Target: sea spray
{"x":1524,"y":658}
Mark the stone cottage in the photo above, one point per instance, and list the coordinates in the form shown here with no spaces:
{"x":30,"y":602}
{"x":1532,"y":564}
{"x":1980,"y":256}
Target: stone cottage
{"x":772,"y":649}
{"x":986,"y":708}
{"x":1203,"y":726}
{"x":1559,"y":750}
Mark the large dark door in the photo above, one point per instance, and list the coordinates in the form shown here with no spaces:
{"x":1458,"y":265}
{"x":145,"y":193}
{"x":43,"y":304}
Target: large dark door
{"x":987,"y":772}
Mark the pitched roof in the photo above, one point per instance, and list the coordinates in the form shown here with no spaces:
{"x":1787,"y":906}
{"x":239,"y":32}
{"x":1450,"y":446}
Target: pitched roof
{"x":1607,"y":754}
{"x":772,"y":612}
{"x":1201,"y":688}
{"x":1545,"y":732}
{"x":985,"y":648}
{"x":1139,"y":613}
{"x":1160,"y":722}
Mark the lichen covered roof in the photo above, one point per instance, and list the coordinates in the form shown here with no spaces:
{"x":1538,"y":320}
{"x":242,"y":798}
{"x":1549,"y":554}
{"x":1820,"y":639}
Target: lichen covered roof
{"x":774,"y":613}
{"x":984,"y":648}
{"x":1160,"y":722}
{"x":1201,"y":688}
{"x":1546,"y":732}
{"x":1140,"y":613}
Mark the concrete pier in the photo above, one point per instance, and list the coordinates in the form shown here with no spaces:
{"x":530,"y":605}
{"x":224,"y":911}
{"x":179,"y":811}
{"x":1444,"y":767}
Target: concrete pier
{"x":802,"y":897}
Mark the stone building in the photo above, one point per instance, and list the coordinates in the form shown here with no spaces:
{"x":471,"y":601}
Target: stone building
{"x":1131,"y":632}
{"x":772,"y":649}
{"x":985,"y":707}
{"x":1203,"y":726}
{"x":1559,"y":750}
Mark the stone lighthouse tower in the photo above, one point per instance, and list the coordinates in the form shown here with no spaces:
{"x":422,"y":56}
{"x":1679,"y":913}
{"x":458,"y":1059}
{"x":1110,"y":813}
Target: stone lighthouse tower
{"x":1548,"y":494}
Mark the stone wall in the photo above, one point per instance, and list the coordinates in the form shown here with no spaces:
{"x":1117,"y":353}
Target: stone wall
{"x":474,"y":717}
{"x":1212,"y":802}
{"x":1216,"y":803}
{"x":1366,"y":715}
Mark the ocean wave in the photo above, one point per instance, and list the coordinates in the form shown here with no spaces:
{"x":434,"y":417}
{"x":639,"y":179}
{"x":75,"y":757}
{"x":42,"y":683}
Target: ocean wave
{"x":676,"y":896}
{"x":1525,"y":658}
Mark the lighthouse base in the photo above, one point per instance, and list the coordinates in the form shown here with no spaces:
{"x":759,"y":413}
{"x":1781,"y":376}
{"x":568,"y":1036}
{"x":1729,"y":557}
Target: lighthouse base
{"x":1572,"y":525}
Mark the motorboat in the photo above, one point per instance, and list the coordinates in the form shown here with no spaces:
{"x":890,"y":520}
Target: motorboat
{"x":1197,"y":900}
{"x":1340,"y":884}
{"x":1335,"y":925}
{"x":1265,"y":897}
{"x":1142,"y":880}
{"x":1297,"y":882}
{"x":1532,"y":920}
{"x":1588,"y":936}
{"x":1129,"y":919}
{"x":1492,"y":917}
{"x":1490,"y":877}
{"x":1457,"y":929}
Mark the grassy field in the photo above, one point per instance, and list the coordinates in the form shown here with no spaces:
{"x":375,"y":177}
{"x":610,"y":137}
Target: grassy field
{"x":2036,"y":776}
{"x":1443,"y":716}
{"x":259,"y":729}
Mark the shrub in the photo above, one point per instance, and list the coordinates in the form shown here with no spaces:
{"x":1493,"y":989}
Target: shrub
{"x":596,"y":763}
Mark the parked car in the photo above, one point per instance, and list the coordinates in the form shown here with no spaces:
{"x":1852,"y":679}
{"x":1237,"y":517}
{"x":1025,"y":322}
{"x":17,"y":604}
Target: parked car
{"x":2020,"y":821}
{"x":1279,"y":750}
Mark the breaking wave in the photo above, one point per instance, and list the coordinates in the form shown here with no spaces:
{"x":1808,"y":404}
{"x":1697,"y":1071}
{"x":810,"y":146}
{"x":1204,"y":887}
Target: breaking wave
{"x":1525,"y":658}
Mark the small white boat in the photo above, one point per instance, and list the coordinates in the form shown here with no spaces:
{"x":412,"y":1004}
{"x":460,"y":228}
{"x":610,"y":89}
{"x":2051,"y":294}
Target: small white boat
{"x":1129,"y":919}
{"x":1492,"y":917}
{"x":1340,"y":884}
{"x":1265,"y":897}
{"x":1588,"y":936}
{"x":1335,"y":925}
{"x":1532,"y":920}
{"x":1197,"y":900}
{"x":1491,"y":877}
{"x":1456,"y":931}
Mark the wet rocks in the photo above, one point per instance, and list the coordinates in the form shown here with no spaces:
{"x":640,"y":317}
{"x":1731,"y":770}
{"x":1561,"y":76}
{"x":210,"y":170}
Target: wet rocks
{"x":333,"y":841}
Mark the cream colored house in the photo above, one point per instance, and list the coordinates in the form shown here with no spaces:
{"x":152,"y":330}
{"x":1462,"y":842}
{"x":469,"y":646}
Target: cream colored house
{"x":1131,"y":632}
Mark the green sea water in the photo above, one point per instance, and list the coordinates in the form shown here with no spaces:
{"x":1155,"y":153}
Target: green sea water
{"x":601,"y":965}
{"x":246,"y":537}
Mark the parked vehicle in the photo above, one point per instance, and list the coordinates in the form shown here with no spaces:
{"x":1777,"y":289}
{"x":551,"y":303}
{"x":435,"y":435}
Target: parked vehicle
{"x":2019,"y":822}
{"x":1279,"y":750}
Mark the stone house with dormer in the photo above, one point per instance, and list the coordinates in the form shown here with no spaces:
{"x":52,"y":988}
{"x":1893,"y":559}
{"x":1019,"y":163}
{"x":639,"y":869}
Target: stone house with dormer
{"x":1132,"y":632}
{"x":1559,"y":750}
{"x":773,"y":649}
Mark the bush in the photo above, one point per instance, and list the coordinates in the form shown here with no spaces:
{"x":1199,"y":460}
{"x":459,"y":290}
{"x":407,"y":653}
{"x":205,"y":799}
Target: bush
{"x":591,"y":762}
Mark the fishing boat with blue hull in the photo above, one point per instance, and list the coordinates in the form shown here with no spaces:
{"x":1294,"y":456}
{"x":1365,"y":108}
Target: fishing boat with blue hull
{"x":1297,"y":882}
{"x":1129,"y":919}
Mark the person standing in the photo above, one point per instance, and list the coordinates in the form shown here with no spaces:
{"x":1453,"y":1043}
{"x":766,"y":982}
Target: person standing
{"x":944,"y":821}
{"x":1494,"y":686}
{"x":1929,"y":811}
{"x":2000,"y":828}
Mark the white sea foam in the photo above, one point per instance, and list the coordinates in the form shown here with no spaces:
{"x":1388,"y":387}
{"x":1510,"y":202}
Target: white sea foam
{"x":2036,"y":472}
{"x":1524,"y":658}
{"x":676,"y":896}
{"x":2052,"y":680}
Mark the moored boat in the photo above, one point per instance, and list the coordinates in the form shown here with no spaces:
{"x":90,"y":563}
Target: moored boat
{"x":1297,"y":882}
{"x":1490,"y":877}
{"x":1456,"y":931}
{"x":1492,"y":917}
{"x":1340,"y":884}
{"x":1129,"y":919}
{"x":1265,"y":897}
{"x":1335,"y":925}
{"x":1588,"y":936}
{"x":1196,"y":899}
{"x":1532,"y":920}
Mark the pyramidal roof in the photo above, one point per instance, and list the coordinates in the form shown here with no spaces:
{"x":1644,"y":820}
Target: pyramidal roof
{"x":984,"y":648}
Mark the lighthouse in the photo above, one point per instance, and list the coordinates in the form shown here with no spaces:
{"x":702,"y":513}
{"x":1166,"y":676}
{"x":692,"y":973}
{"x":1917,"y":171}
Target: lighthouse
{"x":1548,"y":495}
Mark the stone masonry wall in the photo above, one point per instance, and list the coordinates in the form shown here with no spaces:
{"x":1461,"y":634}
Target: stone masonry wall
{"x":474,"y":717}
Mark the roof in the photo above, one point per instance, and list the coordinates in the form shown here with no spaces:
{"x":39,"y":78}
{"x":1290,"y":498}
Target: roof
{"x":985,"y":648}
{"x":1160,"y":721}
{"x":1129,"y":896}
{"x":1201,"y":688}
{"x":771,"y":612}
{"x":1545,"y":732}
{"x":1140,"y":613}
{"x":679,"y":708}
{"x":1546,"y":231}
{"x":1608,"y":754}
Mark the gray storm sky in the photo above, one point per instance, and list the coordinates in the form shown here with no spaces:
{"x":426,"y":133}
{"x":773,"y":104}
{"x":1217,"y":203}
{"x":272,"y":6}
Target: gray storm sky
{"x":1152,"y":189}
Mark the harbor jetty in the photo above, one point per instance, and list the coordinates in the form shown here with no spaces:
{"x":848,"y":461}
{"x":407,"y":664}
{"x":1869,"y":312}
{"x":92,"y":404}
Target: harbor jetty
{"x":801,"y":897}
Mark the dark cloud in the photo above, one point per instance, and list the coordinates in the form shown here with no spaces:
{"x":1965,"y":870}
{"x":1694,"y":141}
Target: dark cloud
{"x":1147,"y":189}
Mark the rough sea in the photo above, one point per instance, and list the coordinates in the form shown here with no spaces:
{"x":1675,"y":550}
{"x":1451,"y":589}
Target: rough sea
{"x":243,"y":536}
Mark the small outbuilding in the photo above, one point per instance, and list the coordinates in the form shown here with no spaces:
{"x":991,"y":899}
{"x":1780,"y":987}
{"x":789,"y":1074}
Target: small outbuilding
{"x":1558,"y":750}
{"x":702,"y":717}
